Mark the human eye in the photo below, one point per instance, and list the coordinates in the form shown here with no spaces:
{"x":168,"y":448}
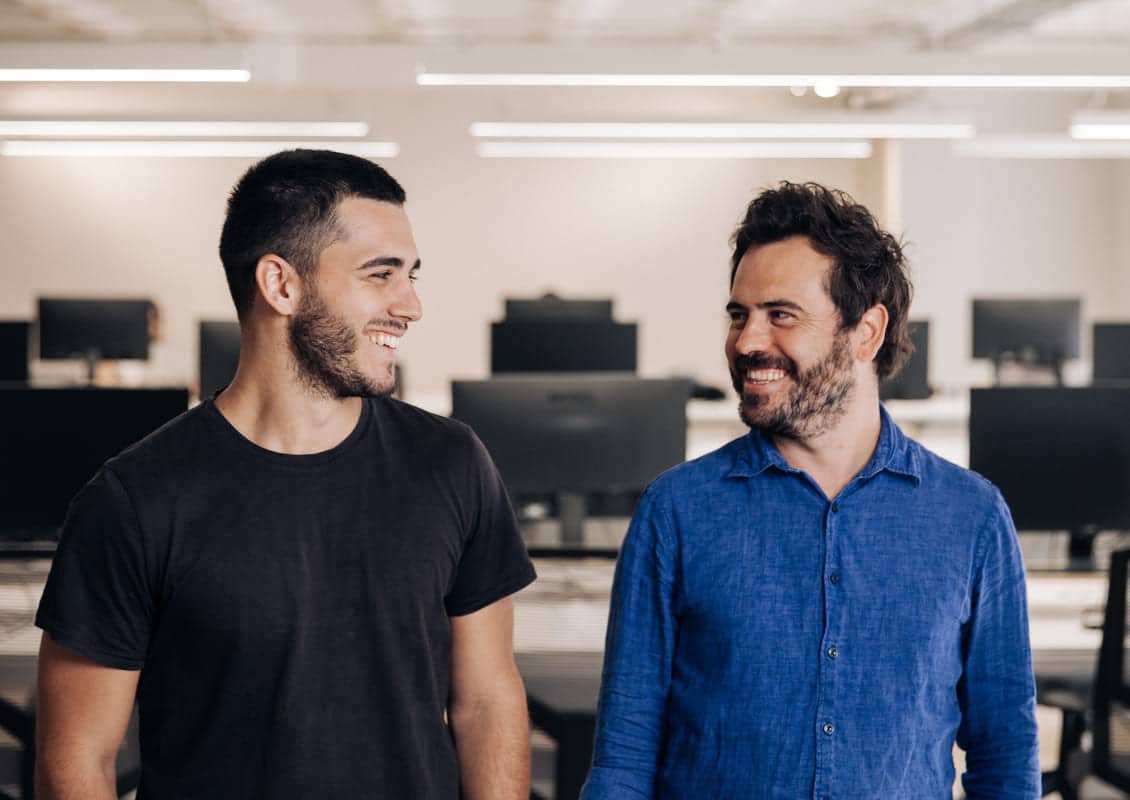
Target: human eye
{"x":737,"y":316}
{"x":380,"y":275}
{"x":780,"y":316}
{"x":413,"y":276}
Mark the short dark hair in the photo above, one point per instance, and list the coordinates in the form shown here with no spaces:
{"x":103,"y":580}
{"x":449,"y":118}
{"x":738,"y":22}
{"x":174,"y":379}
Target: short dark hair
{"x":287,"y":205}
{"x":869,"y":265}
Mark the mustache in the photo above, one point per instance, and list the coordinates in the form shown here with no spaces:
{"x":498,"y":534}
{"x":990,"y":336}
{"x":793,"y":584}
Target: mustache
{"x":762,"y":360}
{"x":388,"y":325}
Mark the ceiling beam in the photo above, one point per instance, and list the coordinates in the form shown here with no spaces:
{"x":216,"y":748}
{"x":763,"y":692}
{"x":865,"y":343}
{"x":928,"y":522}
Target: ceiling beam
{"x":1013,"y":16}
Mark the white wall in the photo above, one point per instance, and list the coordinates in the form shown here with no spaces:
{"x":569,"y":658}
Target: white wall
{"x":652,"y":234}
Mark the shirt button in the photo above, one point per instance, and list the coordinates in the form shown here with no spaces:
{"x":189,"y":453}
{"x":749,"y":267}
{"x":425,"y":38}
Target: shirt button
{"x":829,"y":728}
{"x":834,"y":577}
{"x":835,"y":507}
{"x":833,"y":652}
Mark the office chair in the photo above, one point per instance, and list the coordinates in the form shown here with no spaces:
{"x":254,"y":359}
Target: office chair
{"x":1103,"y":707}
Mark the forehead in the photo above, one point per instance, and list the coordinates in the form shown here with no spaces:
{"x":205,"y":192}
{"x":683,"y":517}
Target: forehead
{"x":790,"y":269}
{"x":373,"y":228}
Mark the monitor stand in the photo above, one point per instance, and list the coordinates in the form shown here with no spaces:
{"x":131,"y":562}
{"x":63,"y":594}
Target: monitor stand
{"x":91,"y":358}
{"x":1080,"y":549}
{"x":571,"y":510}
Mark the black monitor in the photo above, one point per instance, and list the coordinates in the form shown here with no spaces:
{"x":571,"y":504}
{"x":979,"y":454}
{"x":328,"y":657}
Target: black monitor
{"x":14,"y":350}
{"x":571,"y":435}
{"x":93,"y":329}
{"x":1111,"y":348}
{"x":912,"y":382}
{"x":552,"y":307}
{"x":1036,"y":332}
{"x":562,"y":346}
{"x":1060,"y":456}
{"x":218,"y":355}
{"x":53,"y":440}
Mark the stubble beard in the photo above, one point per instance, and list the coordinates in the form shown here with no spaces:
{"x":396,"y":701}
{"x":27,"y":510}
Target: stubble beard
{"x":814,"y":404}
{"x":323,"y":347}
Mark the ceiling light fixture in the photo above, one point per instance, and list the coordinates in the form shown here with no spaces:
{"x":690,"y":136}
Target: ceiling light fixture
{"x":846,"y":129}
{"x":126,"y":75}
{"x":1041,"y":147}
{"x":187,"y":149}
{"x":1110,"y":125}
{"x":673,"y":149}
{"x":914,"y":81}
{"x":161,"y":128}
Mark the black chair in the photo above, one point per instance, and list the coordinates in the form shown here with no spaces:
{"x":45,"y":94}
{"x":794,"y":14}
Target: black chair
{"x":1103,"y":708}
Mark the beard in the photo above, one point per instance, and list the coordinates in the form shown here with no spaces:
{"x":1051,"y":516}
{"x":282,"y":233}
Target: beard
{"x":324,"y":346}
{"x":814,"y":403}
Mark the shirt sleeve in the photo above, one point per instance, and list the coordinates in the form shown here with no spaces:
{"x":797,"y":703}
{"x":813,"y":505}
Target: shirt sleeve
{"x":97,"y":600}
{"x":997,"y":692}
{"x":639,"y":649}
{"x":494,"y":562}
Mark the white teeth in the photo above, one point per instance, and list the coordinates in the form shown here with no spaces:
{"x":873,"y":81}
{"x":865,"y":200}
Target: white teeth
{"x":385,"y":340}
{"x":764,"y":375}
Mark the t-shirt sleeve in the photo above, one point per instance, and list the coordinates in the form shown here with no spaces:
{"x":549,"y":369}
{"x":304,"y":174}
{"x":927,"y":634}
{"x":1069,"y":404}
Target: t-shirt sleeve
{"x":494,"y":562}
{"x":97,"y":600}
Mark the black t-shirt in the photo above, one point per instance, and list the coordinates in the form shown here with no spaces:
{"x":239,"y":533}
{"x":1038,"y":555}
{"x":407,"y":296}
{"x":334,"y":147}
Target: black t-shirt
{"x":289,"y":613}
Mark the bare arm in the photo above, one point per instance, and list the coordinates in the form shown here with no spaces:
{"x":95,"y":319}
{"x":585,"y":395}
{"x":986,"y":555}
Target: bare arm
{"x":81,"y":718}
{"x":488,"y":706}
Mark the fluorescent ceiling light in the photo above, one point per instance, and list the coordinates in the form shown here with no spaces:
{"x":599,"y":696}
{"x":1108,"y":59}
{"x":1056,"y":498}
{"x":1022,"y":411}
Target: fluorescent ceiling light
{"x":917,"y":81}
{"x":1040,"y":147}
{"x":127,"y":75}
{"x":189,"y":149}
{"x":673,"y":149}
{"x":103,"y":128}
{"x":1100,"y":125}
{"x":722,"y":130}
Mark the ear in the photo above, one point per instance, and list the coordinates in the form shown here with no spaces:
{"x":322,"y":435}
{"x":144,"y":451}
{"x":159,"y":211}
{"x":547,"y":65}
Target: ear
{"x":279,"y":284}
{"x":870,"y":332}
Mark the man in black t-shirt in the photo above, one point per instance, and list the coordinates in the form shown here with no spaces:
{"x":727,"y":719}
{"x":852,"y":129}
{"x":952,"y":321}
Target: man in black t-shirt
{"x":303,"y":581}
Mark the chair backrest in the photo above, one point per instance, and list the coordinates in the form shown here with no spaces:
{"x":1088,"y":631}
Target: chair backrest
{"x":1111,"y":756}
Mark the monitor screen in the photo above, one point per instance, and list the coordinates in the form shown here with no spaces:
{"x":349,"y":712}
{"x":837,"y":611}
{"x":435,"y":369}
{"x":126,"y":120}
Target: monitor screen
{"x":1060,"y":456}
{"x":912,"y":382}
{"x":14,"y":350}
{"x":562,"y":346}
{"x":218,"y":355}
{"x":1032,"y":331}
{"x":53,"y":440}
{"x":577,"y":433}
{"x":552,"y":307}
{"x":1111,"y":351}
{"x":93,"y":328}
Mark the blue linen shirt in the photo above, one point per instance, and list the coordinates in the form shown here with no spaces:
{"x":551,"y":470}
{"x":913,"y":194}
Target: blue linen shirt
{"x":765,"y":642}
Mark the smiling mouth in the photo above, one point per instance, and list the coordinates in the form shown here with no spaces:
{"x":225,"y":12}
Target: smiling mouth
{"x":763,"y":377}
{"x":385,"y":340}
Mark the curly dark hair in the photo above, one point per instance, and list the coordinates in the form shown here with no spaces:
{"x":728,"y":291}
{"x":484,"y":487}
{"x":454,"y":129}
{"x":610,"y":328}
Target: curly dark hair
{"x":869,"y":267}
{"x":287,"y":205}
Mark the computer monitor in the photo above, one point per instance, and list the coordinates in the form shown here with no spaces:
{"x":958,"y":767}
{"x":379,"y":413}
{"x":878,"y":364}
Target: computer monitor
{"x":562,"y":346}
{"x":570,"y":435}
{"x":218,"y":355}
{"x":1111,"y":349}
{"x":93,"y":329}
{"x":912,"y":382}
{"x":1060,"y":456}
{"x":14,"y":350}
{"x":1035,"y":331}
{"x":552,"y":307}
{"x":53,"y":440}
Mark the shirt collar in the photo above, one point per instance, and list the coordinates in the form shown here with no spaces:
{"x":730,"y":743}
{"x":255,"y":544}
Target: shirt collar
{"x":894,"y":453}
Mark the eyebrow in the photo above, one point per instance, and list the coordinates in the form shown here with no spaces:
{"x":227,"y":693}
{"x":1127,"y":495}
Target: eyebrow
{"x":733,"y":305}
{"x":389,"y":261}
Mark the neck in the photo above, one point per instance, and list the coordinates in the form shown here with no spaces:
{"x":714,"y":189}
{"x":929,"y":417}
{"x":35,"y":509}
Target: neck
{"x":835,"y":456}
{"x":268,"y":404}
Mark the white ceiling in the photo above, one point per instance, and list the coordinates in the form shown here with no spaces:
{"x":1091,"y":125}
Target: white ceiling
{"x":961,"y":25}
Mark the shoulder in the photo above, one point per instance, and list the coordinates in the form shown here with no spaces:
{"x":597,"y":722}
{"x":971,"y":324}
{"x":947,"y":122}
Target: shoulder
{"x":954,"y":481}
{"x":698,"y":474}
{"x":163,"y":451}
{"x":403,"y":425}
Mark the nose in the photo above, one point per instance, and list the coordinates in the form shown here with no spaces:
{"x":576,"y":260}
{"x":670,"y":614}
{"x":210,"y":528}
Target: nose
{"x":754,"y":336}
{"x":406,"y":305}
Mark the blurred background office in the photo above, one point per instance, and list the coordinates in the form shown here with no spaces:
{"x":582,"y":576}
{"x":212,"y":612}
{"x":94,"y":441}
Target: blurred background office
{"x":574,"y":169}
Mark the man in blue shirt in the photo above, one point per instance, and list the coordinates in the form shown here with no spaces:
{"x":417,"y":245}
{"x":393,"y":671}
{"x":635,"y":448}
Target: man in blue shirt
{"x":821,"y":608}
